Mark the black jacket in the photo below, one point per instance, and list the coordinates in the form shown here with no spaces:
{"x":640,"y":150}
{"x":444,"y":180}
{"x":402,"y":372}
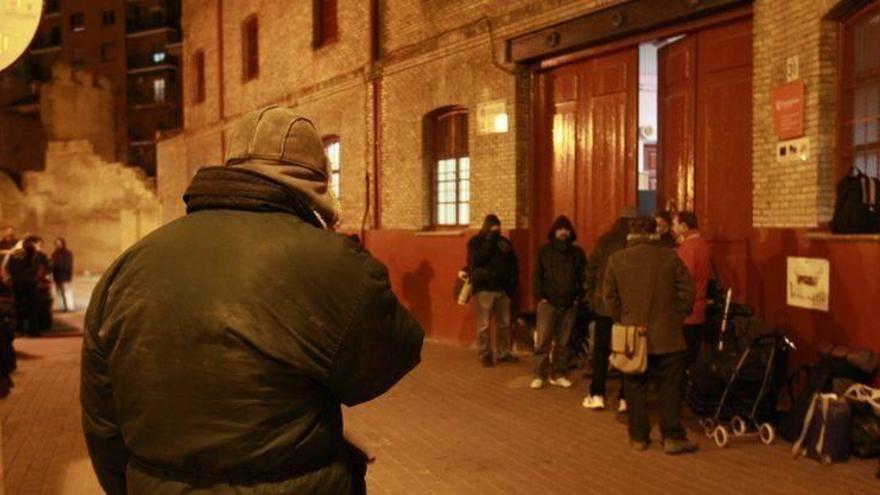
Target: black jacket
{"x":560,"y":273}
{"x":62,"y":265}
{"x":610,"y":242}
{"x":492,"y":264}
{"x":219,"y":349}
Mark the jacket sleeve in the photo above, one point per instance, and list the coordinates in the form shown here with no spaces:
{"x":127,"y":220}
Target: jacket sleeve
{"x":538,"y":278}
{"x":103,"y":436}
{"x":383,"y":342}
{"x":591,"y":275}
{"x":611,"y":292}
{"x":581,"y":274}
{"x":684,"y":288}
{"x":479,"y":252}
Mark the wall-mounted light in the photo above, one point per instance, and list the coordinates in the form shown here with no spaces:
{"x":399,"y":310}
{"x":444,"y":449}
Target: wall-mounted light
{"x":492,"y":117}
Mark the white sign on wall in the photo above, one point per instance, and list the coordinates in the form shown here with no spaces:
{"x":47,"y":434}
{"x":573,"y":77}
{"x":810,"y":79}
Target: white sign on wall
{"x":792,"y":68}
{"x":808,"y":283}
{"x":492,"y":117}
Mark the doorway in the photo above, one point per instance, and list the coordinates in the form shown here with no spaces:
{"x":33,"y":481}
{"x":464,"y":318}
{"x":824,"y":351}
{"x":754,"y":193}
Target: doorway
{"x":662,"y":123}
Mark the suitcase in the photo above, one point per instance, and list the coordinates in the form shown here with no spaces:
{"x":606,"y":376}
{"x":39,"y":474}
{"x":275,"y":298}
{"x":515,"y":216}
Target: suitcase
{"x":827,"y":429}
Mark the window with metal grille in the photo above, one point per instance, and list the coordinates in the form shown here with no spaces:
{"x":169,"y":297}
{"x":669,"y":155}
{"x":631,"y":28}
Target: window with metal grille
{"x":333,"y":151}
{"x":452,"y":168}
{"x":325,"y":23}
{"x":199,"y":83}
{"x":250,"y":48}
{"x":860,"y":92}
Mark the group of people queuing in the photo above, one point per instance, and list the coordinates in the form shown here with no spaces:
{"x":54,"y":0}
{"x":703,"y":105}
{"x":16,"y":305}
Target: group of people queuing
{"x":26,"y":279}
{"x":651,"y":271}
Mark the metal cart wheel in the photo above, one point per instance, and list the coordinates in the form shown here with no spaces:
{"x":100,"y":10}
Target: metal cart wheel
{"x":739,"y":425}
{"x":767,"y":433}
{"x":721,"y":436}
{"x":708,"y":425}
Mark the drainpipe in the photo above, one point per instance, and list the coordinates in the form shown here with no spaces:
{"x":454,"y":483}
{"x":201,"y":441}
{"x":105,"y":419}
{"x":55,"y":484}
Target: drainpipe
{"x":376,"y":82}
{"x":221,"y":88}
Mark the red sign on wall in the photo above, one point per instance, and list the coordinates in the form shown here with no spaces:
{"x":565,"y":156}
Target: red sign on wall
{"x":788,"y":110}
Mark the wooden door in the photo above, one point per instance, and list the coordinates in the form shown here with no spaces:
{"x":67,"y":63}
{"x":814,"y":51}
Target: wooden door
{"x":609,"y":174}
{"x":723,"y":175}
{"x":677,"y":92}
{"x":591,"y":138}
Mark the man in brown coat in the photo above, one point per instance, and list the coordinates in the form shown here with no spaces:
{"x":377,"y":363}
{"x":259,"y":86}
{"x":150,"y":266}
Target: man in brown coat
{"x":647,"y":284}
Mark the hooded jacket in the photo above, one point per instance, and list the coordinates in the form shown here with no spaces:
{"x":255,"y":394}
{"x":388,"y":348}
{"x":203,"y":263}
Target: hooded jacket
{"x":492,"y":263}
{"x":561,"y":268}
{"x":219,"y":348}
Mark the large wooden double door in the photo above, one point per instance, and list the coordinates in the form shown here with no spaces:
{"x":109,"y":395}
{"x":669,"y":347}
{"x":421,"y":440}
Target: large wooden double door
{"x":593,"y":155}
{"x":704,"y":138}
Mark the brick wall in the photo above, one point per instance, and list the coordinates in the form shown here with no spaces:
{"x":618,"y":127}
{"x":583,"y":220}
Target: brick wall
{"x":795,"y":194}
{"x":434,"y":54}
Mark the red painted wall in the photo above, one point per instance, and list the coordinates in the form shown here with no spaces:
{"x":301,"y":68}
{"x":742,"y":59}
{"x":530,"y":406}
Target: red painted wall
{"x":423,"y":269}
{"x":854,"y":315}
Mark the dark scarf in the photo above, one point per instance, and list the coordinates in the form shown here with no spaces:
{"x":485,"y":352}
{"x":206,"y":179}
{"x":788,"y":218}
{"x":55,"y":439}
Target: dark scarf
{"x":230,"y":188}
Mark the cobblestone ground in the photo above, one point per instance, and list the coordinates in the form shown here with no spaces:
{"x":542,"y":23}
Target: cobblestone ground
{"x":451,"y":427}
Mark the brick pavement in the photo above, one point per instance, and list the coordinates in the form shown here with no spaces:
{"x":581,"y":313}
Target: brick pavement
{"x":451,"y":427}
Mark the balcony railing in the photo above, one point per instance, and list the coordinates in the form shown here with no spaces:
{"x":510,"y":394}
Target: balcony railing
{"x":140,"y":25}
{"x":152,"y":60}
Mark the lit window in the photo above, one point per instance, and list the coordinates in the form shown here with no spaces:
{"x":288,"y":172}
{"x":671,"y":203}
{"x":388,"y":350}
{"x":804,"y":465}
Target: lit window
{"x":78,"y":22}
{"x":159,"y":90}
{"x":860,"y":90}
{"x":331,"y":149}
{"x":452,"y":174}
{"x":158,"y":57}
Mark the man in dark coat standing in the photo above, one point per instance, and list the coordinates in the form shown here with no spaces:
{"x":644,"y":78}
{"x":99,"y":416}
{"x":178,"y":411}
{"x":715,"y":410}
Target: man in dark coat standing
{"x":646,"y":284}
{"x":494,"y":273}
{"x":62,"y":274}
{"x":609,"y":243}
{"x":219,"y":348}
{"x":559,"y":287}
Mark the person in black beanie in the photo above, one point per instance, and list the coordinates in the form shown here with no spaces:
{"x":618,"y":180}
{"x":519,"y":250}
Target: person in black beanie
{"x":494,"y":273}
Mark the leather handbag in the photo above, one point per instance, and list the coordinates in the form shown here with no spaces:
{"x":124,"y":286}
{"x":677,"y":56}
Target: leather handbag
{"x":629,"y":348}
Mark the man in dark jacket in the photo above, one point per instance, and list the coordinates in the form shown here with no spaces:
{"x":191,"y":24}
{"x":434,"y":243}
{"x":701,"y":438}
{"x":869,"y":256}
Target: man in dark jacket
{"x":646,"y":284}
{"x":559,"y":287}
{"x":62,"y":274}
{"x":609,"y":243}
{"x":494,"y":273}
{"x":219,"y":348}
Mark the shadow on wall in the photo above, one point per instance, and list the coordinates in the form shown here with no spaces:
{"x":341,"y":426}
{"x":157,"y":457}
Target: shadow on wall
{"x":416,"y":292}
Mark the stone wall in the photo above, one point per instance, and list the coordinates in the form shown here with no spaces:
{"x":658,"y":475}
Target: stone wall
{"x":434,"y":54}
{"x":100,"y":207}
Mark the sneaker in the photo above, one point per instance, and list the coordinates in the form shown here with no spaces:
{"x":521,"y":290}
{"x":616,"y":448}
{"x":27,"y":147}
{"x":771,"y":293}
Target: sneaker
{"x":621,"y":406}
{"x":537,"y":383}
{"x":561,"y":381}
{"x":486,"y":361}
{"x":595,"y":402}
{"x":676,"y":447}
{"x":637,"y":446}
{"x":508,"y":358}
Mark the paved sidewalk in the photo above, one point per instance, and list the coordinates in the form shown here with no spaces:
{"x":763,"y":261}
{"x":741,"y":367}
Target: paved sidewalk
{"x":451,"y":427}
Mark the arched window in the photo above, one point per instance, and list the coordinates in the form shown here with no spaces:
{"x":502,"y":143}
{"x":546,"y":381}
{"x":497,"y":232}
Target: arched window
{"x":860,"y":91}
{"x":332,"y":150}
{"x":451,"y":164}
